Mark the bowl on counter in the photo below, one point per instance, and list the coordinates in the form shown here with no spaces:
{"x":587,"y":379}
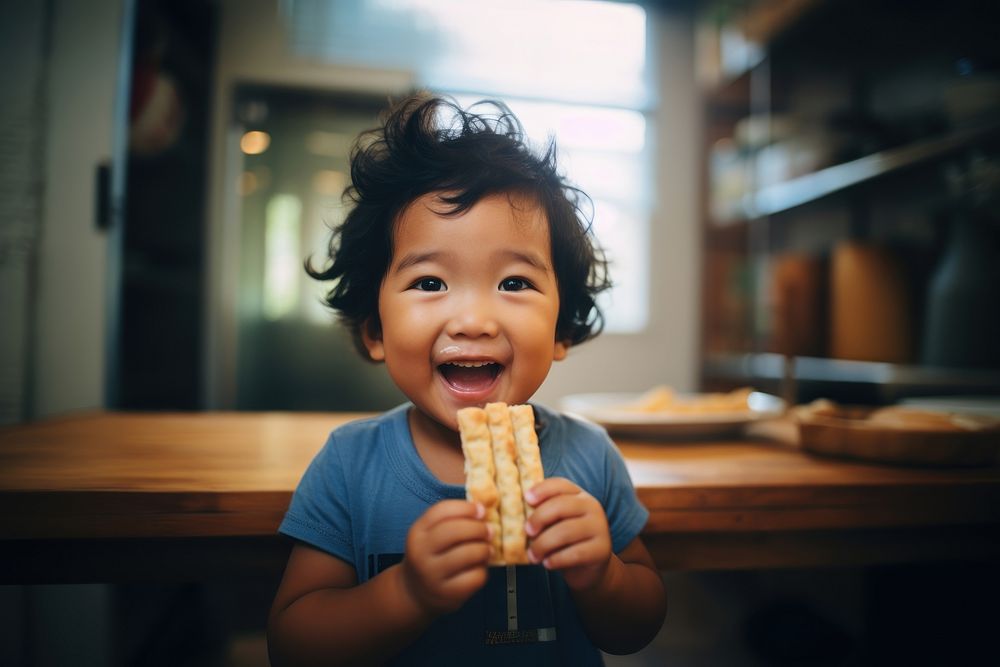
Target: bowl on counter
{"x":900,"y":435}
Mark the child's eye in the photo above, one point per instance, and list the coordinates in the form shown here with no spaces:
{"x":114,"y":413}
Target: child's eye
{"x":514,"y":284}
{"x":429,"y":285}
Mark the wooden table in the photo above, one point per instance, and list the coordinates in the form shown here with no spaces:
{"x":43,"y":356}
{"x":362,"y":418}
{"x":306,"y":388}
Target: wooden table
{"x":125,"y":496}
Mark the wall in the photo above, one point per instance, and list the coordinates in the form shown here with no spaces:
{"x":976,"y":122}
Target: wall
{"x":54,"y":308}
{"x":252,"y":49}
{"x":22,"y":134}
{"x":71,"y":291}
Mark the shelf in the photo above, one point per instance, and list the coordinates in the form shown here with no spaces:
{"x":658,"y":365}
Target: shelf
{"x":892,"y":380}
{"x":847,"y":83}
{"x":767,"y":21}
{"x":762,"y":24}
{"x":811,"y":187}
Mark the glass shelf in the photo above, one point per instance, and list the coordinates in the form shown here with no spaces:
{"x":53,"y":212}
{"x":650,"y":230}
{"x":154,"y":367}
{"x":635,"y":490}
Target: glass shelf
{"x":810,"y":187}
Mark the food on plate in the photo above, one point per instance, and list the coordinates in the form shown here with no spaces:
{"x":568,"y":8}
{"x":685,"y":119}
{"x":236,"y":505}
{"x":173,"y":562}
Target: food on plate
{"x":908,"y":418}
{"x":895,"y":417}
{"x":656,"y":399}
{"x":663,"y":399}
{"x":502,"y":460}
{"x":821,"y":407}
{"x":902,"y":417}
{"x":900,"y":434}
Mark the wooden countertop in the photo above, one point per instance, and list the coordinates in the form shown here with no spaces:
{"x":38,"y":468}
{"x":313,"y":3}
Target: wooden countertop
{"x":90,"y":481}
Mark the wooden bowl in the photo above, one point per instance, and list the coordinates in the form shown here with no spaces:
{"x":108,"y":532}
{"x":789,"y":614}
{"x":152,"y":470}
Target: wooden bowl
{"x":900,"y":436}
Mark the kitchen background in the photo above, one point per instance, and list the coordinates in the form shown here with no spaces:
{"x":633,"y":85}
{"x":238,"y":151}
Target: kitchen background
{"x":795,"y":194}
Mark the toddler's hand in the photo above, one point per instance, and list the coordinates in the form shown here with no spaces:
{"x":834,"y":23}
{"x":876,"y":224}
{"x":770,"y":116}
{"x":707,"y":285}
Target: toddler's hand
{"x":569,"y":531}
{"x":447,"y":550}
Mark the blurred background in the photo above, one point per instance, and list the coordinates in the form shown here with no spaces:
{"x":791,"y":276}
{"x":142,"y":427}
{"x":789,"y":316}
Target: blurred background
{"x":215,"y":168}
{"x":799,"y":195}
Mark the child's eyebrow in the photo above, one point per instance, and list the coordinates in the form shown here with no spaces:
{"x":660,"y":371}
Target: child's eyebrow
{"x":417,"y":258}
{"x":528,"y":258}
{"x":512,"y":255}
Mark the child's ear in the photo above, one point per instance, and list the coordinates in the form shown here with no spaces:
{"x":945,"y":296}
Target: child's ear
{"x":560,"y":350}
{"x":371,"y":336}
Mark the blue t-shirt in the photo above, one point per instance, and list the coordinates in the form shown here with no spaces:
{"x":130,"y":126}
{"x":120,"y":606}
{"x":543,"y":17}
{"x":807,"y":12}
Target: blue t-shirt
{"x":367,"y":486}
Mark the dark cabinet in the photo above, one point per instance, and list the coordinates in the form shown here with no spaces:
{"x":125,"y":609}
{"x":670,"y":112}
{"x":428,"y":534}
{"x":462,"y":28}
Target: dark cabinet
{"x":851,"y":200}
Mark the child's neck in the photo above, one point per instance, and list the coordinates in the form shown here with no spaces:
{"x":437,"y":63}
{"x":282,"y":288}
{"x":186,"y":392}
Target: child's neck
{"x":438,"y":446}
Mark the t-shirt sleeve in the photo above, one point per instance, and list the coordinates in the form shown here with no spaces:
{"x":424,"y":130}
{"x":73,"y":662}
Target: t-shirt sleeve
{"x":319,"y":513}
{"x":626,"y":515}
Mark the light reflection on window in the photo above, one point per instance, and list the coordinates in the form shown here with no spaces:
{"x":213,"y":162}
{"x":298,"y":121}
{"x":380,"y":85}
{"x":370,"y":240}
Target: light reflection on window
{"x":329,"y":182}
{"x":332,"y":213}
{"x":329,"y":144}
{"x":582,"y":50}
{"x":602,"y":151}
{"x":255,"y":142}
{"x":282,"y":262}
{"x":586,"y":47}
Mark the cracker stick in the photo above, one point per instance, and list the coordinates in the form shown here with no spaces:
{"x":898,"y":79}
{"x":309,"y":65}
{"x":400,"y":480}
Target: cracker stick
{"x":529,"y":460}
{"x":479,"y":471}
{"x":508,"y":483}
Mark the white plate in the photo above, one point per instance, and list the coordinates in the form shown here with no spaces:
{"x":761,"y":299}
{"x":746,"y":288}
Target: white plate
{"x":608,"y":411}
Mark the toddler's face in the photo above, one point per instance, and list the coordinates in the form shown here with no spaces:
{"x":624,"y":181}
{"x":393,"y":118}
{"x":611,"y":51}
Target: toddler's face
{"x":469,"y":306}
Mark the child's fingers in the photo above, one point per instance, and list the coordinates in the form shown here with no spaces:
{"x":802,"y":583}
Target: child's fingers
{"x":561,"y":535}
{"x":549,"y":487}
{"x":585,"y":553}
{"x":561,"y":507}
{"x":464,"y":583}
{"x":462,"y":557}
{"x":443,"y":526}
{"x":451,"y":509}
{"x":443,"y":582}
{"x":447,"y":535}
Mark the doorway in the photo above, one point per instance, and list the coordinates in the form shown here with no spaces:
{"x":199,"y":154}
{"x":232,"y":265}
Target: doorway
{"x":293,"y":159}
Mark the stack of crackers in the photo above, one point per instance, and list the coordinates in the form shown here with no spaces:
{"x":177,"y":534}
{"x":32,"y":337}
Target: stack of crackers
{"x":502,"y":461}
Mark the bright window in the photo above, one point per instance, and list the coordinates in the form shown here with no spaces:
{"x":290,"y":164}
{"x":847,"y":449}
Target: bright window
{"x":281,"y":262}
{"x":601,"y":151}
{"x":573,"y":69}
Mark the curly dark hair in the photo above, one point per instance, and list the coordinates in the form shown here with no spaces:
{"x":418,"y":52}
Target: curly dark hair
{"x":430,"y":144}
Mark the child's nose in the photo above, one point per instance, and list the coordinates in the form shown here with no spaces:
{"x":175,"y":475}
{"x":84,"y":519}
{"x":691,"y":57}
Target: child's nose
{"x":473,"y":318}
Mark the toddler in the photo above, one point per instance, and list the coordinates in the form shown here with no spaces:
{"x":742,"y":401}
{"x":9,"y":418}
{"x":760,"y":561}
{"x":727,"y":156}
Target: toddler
{"x":466,"y":268}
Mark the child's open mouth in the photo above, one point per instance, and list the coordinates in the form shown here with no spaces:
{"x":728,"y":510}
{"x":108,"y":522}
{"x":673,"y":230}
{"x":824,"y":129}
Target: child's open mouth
{"x":470,"y":376}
